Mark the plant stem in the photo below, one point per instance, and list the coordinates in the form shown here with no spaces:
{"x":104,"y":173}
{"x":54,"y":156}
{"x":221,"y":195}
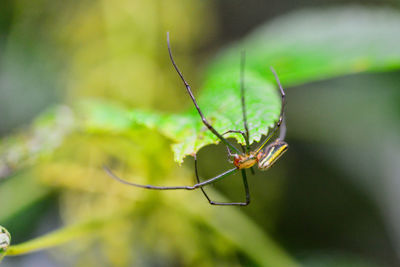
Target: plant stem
{"x":59,"y":237}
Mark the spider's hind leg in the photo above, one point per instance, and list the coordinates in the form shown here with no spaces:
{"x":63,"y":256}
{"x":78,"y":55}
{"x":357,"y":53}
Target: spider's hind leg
{"x":246,"y":188}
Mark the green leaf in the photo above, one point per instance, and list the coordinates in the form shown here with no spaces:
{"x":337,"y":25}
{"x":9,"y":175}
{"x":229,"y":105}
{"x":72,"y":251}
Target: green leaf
{"x":44,"y":135}
{"x":303,"y":47}
{"x":315,"y":44}
{"x":221,"y":103}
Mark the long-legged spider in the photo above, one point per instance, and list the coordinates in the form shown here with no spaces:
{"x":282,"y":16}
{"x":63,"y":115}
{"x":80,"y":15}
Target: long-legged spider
{"x":264,"y":155}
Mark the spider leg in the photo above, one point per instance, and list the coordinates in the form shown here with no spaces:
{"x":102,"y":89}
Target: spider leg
{"x":230,"y":155}
{"x":198,"y":179}
{"x":283,"y":96}
{"x":280,"y":120}
{"x":242,"y":96}
{"x":244,"y":137}
{"x":198,"y":185}
{"x":189,"y":90}
{"x":282,"y":130}
{"x":246,"y":188}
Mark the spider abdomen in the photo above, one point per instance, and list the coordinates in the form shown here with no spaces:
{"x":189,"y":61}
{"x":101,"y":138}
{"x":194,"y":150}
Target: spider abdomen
{"x":268,"y":156}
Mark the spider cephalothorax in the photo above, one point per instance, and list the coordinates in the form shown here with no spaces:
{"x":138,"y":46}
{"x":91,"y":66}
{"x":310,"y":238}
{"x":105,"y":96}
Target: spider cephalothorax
{"x":244,"y":161}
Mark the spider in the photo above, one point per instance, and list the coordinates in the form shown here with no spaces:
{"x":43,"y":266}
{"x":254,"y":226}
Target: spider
{"x":265,"y":155}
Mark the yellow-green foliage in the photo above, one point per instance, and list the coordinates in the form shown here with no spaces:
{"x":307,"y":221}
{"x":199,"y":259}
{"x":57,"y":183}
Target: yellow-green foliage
{"x":117,"y":52}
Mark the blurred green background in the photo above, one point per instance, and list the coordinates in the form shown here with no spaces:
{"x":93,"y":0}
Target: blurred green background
{"x":70,"y":73}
